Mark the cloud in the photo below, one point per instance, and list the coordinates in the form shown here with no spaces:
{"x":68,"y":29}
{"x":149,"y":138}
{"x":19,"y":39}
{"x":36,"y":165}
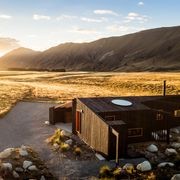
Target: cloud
{"x":141,"y":3}
{"x":32,"y":36}
{"x":83,"y":31}
{"x":65,"y":16}
{"x":105,"y":12}
{"x":122,"y":29}
{"x":8,"y":44}
{"x":94,"y":20}
{"x":41,"y":17}
{"x":136,"y":17}
{"x":5,"y":16}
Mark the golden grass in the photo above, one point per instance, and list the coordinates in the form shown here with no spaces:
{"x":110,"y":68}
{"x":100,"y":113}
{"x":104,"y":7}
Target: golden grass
{"x":17,"y":85}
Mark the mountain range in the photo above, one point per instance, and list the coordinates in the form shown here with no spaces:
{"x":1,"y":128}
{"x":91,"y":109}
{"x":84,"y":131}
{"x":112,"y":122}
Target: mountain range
{"x":149,"y":50}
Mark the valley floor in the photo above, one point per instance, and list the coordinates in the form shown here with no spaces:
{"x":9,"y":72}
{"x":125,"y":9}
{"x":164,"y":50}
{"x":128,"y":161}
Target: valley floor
{"x":61,"y":87}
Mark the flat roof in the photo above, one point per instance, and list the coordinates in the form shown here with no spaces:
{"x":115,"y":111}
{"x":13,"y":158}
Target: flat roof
{"x":104,"y":104}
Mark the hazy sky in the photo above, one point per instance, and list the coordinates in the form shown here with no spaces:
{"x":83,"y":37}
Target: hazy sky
{"x":40,"y":24}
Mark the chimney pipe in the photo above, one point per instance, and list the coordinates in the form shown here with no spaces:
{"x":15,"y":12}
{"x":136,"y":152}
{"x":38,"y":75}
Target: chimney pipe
{"x":164,"y":88}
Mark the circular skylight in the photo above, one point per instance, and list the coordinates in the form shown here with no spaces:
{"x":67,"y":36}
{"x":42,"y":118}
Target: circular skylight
{"x":121,"y":102}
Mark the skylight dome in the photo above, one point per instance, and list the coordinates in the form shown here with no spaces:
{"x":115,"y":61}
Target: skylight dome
{"x":122,"y":102}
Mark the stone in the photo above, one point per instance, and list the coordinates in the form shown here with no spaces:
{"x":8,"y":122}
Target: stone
{"x":69,"y":141}
{"x":65,"y":133}
{"x":1,"y":178}
{"x":15,"y":175}
{"x":175,"y":145}
{"x":7,"y":166}
{"x":23,"y":152}
{"x":163,"y":164}
{"x":100,"y":157}
{"x":26,"y":164}
{"x":6,"y":153}
{"x":129,"y":168}
{"x":144,"y":166}
{"x":46,"y":123}
{"x":43,"y":178}
{"x":19,"y":169}
{"x":152,"y":148}
{"x":55,"y":145}
{"x":176,"y":177}
{"x":23,"y":147}
{"x":33,"y":168}
{"x":175,"y":130}
{"x":170,"y":152}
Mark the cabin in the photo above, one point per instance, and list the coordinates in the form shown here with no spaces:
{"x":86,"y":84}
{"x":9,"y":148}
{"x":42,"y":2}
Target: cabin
{"x":109,"y":124}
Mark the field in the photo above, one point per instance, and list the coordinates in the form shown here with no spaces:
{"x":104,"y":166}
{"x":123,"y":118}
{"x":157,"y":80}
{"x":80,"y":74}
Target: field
{"x":61,"y":87}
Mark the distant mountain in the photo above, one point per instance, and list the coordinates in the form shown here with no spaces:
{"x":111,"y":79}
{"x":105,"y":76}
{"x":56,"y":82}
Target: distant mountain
{"x":19,"y":58}
{"x":149,"y":50}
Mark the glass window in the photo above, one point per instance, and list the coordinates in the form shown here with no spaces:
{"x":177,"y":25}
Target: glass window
{"x":177,"y":113}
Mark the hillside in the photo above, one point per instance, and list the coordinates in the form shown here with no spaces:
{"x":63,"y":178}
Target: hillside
{"x":149,"y":50}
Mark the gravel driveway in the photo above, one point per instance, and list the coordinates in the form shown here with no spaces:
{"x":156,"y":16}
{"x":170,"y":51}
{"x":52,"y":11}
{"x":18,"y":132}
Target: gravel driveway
{"x":24,"y":124}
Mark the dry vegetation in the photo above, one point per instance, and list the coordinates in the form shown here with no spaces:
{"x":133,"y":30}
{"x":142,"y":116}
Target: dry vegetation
{"x":52,"y":86}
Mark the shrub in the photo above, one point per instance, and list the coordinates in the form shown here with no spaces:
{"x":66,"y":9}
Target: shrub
{"x":117,"y":172}
{"x":77,"y":151}
{"x":64,"y":147}
{"x":105,"y":171}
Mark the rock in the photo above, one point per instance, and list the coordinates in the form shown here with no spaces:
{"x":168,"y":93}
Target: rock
{"x":46,"y":123}
{"x":144,"y":166}
{"x":129,"y":168}
{"x":26,"y":164}
{"x":15,"y":175}
{"x":6,"y":166}
{"x":23,"y":152}
{"x":175,"y":130}
{"x":65,"y":133}
{"x":19,"y":169}
{"x":43,"y":178}
{"x":175,"y":145}
{"x":69,"y":141}
{"x":33,"y":168}
{"x":55,"y":145}
{"x":100,"y":157}
{"x":176,"y":177}
{"x":152,"y":148}
{"x":163,"y":164}
{"x":23,"y":147}
{"x":6,"y":153}
{"x":170,"y":152}
{"x":1,"y":178}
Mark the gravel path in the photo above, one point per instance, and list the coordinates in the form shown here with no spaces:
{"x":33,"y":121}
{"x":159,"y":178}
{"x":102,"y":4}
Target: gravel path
{"x":24,"y":124}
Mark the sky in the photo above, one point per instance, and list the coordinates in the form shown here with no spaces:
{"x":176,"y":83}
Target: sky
{"x":41,"y":24}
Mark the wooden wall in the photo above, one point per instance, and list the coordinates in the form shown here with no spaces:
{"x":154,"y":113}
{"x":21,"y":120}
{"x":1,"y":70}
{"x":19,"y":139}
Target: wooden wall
{"x":94,"y":131}
{"x":134,"y":119}
{"x":59,"y":114}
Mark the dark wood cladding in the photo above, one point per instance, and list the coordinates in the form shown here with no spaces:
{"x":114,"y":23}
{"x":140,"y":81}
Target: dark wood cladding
{"x":104,"y":104}
{"x":62,"y":113}
{"x":94,"y":131}
{"x":109,"y":128}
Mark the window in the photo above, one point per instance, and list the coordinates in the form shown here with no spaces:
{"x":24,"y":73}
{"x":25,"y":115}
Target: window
{"x":78,"y":121}
{"x":135,"y":132}
{"x":110,"y":118}
{"x":159,"y":116}
{"x":177,"y":113}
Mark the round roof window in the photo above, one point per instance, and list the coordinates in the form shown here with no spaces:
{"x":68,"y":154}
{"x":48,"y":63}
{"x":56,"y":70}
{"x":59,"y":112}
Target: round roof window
{"x":121,"y":102}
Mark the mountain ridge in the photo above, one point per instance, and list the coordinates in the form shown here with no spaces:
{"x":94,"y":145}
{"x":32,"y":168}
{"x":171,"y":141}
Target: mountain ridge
{"x":149,"y":50}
